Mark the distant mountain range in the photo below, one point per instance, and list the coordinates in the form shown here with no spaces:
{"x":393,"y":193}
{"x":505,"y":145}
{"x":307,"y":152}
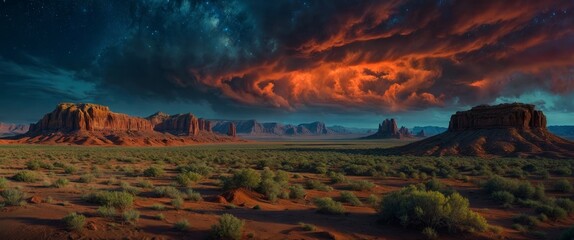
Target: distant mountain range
{"x":10,"y":129}
{"x":562,"y":131}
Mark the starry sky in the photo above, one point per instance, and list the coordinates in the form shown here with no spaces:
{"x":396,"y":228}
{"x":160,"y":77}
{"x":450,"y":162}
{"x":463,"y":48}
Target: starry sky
{"x":344,"y":62}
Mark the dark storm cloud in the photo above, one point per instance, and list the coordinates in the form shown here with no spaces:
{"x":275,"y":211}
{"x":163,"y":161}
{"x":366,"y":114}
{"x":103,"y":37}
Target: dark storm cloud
{"x":319,"y":56}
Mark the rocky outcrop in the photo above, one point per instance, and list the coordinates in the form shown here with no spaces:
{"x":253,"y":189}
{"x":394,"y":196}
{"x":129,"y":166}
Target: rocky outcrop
{"x":388,"y":129}
{"x":421,"y":134}
{"x":180,"y":124}
{"x":232,"y":131}
{"x":69,"y":117}
{"x":255,"y":128}
{"x":91,"y":124}
{"x":10,"y":129}
{"x":515,"y":115}
{"x":429,"y":130}
{"x":509,"y":130}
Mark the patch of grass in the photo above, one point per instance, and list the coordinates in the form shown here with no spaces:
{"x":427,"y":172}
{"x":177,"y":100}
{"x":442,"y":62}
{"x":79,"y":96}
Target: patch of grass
{"x":120,"y":200}
{"x":563,"y":185}
{"x":307,"y":227}
{"x":317,"y":185}
{"x":3,"y":183}
{"x":131,"y":216}
{"x":153,"y":172}
{"x":297,"y":192}
{"x":373,"y":200}
{"x":60,"y":183}
{"x":229,"y":227}
{"x":160,"y":217}
{"x":181,"y":225}
{"x":33,"y":165}
{"x":27,"y":176}
{"x":244,"y":178}
{"x":145,"y":184}
{"x":74,"y":221}
{"x":158,"y":207}
{"x":70,"y":169}
{"x":13,"y":197}
{"x":362,"y":185}
{"x":167,"y":191}
{"x":106,"y":212}
{"x":351,"y":198}
{"x":177,"y":203}
{"x":413,"y":207}
{"x":193,"y":196}
{"x":327,"y":205}
{"x":503,"y":197}
{"x":87,"y":178}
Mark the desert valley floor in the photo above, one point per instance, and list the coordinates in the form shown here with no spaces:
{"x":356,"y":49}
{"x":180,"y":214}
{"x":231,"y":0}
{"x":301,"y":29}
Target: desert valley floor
{"x":178,"y":193}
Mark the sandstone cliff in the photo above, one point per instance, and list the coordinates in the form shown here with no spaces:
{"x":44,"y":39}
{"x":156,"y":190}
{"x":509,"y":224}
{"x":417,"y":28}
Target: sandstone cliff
{"x":91,"y":124}
{"x":68,"y":117}
{"x":388,"y":129}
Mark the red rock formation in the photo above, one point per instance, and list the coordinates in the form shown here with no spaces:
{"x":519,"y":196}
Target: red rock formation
{"x":404,"y":132}
{"x":232,"y":132}
{"x":68,"y":117}
{"x":514,"y":130}
{"x":502,"y":116}
{"x":180,"y":124}
{"x":388,"y":129}
{"x":421,"y":134}
{"x":208,"y":126}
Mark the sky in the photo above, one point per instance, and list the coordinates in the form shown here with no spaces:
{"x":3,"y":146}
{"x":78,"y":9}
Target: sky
{"x":343,"y":62}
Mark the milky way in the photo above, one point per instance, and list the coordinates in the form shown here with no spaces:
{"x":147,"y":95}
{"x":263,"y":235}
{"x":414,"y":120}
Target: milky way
{"x":385,"y":57}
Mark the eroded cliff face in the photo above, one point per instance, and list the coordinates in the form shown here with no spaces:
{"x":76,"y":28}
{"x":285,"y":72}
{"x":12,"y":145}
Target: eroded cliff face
{"x":68,"y":117}
{"x":516,"y":115}
{"x":510,"y":130}
{"x":180,"y":124}
{"x":232,"y":131}
{"x":388,"y":129}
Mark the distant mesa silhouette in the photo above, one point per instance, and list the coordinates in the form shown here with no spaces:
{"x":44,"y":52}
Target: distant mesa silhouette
{"x":388,"y":129}
{"x":510,"y":130}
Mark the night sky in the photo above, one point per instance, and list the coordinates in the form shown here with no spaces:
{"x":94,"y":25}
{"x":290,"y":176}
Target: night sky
{"x":350,"y":63}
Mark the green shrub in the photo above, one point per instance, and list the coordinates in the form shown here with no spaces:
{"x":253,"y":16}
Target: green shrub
{"x":420,"y":208}
{"x":74,"y":221}
{"x":246,"y":178}
{"x":297,"y":192}
{"x":349,"y":197}
{"x":229,"y":227}
{"x":167,"y":191}
{"x":270,"y":189}
{"x":307,"y":227}
{"x":566,"y":204}
{"x":87,"y":178}
{"x":106,"y":212}
{"x":33,"y":164}
{"x":430,"y":233}
{"x":362,"y":185}
{"x":563,"y":185}
{"x":126,"y":187}
{"x":373,"y":200}
{"x":317,"y":185}
{"x":525,"y":220}
{"x":177,"y":203}
{"x":60,"y":183}
{"x":160,"y":216}
{"x":181,"y":225}
{"x":3,"y":183}
{"x":158,"y":207}
{"x":434,"y":185}
{"x":153,"y":172}
{"x":503,"y":197}
{"x":327,"y":205}
{"x":120,"y":200}
{"x":520,"y":189}
{"x":337,"y":177}
{"x":27,"y":176}
{"x":193,"y":196}
{"x":144,"y":184}
{"x":70,"y":169}
{"x":13,"y":197}
{"x":552,"y":211}
{"x":131,"y":216}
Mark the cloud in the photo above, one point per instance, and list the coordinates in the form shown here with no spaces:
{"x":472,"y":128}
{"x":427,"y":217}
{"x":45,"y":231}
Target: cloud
{"x":375,"y":56}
